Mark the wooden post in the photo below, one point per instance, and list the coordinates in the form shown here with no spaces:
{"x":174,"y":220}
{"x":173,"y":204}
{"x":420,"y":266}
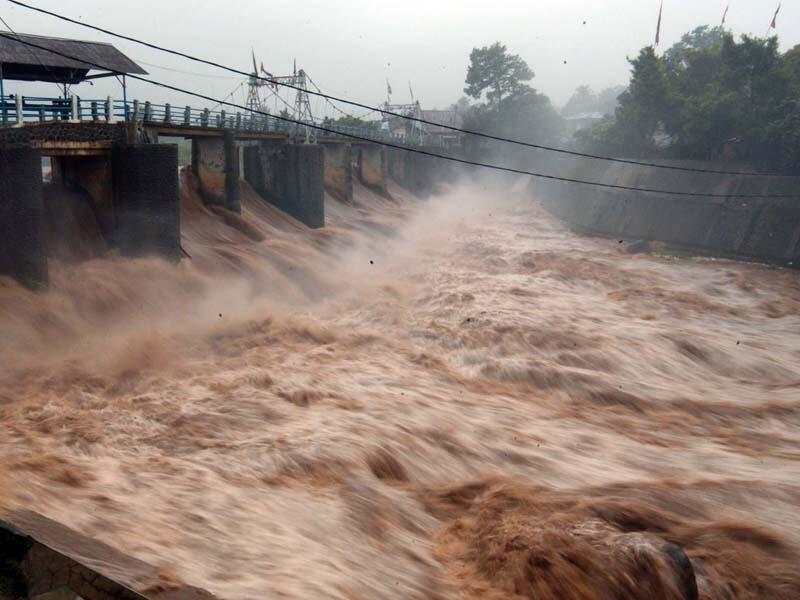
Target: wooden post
{"x":238,"y":120}
{"x":74,"y":108}
{"x":95,"y":115}
{"x":187,"y":116}
{"x":167,"y":113}
{"x":135,"y":111}
{"x":18,"y":106}
{"x":204,"y":118}
{"x":109,"y":109}
{"x":148,"y":112}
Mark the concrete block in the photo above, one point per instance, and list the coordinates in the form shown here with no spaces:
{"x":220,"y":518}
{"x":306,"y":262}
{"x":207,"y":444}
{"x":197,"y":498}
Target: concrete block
{"x":215,"y":161}
{"x":339,"y":171}
{"x":23,"y":254}
{"x":373,"y":167}
{"x":146,"y":200}
{"x":290,"y":177}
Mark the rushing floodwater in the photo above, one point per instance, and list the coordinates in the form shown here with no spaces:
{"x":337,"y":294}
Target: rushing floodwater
{"x":423,"y":400}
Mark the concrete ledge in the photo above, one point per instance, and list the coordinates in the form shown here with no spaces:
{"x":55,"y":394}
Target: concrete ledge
{"x":40,"y":558}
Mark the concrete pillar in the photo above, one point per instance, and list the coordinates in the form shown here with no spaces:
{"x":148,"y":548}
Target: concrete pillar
{"x":146,"y":200}
{"x":23,"y":253}
{"x":289,"y":176}
{"x":373,"y":167}
{"x":93,"y":174}
{"x":215,"y":161}
{"x":339,"y":171}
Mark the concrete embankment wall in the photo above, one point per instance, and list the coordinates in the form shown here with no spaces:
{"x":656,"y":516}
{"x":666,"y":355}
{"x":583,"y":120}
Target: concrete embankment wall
{"x":753,"y":229}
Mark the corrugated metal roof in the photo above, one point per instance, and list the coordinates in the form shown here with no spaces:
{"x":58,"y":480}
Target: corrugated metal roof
{"x":94,"y":53}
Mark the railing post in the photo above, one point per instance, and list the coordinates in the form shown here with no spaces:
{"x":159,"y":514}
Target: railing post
{"x":204,"y":118}
{"x":187,"y":116}
{"x":167,"y":113}
{"x":95,"y":116}
{"x":221,"y":119}
{"x":74,"y":108}
{"x":148,"y":112}
{"x":18,"y":106}
{"x":109,"y":109}
{"x":135,"y":111}
{"x":238,"y":120}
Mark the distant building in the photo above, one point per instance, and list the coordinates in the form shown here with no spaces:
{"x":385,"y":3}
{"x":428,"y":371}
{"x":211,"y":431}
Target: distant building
{"x":438,"y":134}
{"x":580,"y":121}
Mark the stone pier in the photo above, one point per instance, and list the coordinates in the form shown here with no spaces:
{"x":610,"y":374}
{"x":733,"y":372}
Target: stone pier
{"x":290,"y":177}
{"x":373,"y":167}
{"x":215,"y":161}
{"x":339,"y":171}
{"x":23,"y":254}
{"x":146,"y":200}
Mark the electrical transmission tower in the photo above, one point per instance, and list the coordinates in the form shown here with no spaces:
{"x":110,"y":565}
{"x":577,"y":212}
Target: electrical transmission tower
{"x":254,"y":85}
{"x":301,"y":111}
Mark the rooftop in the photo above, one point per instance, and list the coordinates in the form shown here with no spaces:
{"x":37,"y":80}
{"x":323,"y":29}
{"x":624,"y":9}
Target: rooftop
{"x":24,"y":62}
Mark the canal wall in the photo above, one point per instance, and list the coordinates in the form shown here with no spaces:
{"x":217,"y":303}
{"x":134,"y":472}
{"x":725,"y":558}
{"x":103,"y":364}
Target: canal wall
{"x":760,"y":229}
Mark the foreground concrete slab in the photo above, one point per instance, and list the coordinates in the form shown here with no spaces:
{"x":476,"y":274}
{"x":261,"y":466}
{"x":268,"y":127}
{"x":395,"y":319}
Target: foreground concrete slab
{"x":43,"y":559}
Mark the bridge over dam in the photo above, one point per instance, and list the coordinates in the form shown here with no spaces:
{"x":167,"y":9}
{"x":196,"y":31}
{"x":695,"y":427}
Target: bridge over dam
{"x":118,"y":158}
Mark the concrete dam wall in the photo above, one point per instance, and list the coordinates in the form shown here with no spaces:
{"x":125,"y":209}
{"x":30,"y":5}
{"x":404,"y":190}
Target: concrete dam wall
{"x":766,"y":229}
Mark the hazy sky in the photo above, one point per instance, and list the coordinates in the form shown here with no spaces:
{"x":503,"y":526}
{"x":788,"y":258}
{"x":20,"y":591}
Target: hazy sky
{"x":350,"y":47}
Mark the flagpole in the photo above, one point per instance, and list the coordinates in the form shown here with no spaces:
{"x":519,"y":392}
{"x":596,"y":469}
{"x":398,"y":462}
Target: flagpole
{"x":774,"y":23}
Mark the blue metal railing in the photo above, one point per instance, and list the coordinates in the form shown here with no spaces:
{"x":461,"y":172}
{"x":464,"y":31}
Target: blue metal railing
{"x":17,"y":110}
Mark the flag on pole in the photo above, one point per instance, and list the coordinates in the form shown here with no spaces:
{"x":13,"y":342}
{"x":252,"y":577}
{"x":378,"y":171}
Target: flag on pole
{"x":658,"y":27}
{"x":295,"y":66}
{"x":388,"y":88}
{"x":774,"y":23}
{"x":410,"y":91}
{"x":725,"y":14}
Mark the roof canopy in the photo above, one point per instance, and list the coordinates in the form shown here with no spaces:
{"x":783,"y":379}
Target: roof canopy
{"x":26,"y":63}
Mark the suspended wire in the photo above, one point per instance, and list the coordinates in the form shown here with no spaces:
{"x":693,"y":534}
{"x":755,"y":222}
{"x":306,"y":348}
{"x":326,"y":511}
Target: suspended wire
{"x":183,"y":72}
{"x":336,"y":108}
{"x":229,"y":95}
{"x":488,"y":136}
{"x":406,"y":148}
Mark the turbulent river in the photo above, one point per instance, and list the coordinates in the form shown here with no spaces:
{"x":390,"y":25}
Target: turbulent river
{"x":455,"y":397}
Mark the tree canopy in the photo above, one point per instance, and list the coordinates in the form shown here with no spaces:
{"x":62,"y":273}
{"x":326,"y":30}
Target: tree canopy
{"x":506,"y":103}
{"x":707,"y":96}
{"x":494,"y":71}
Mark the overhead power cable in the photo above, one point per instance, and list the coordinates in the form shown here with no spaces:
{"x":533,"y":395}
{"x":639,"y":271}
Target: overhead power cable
{"x":398,"y":146}
{"x":488,"y":136}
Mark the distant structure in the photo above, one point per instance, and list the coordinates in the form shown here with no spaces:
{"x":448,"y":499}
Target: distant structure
{"x":581,"y":121}
{"x":439,"y":135}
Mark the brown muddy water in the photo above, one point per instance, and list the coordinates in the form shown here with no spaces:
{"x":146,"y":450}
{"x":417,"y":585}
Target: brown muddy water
{"x":455,"y":398}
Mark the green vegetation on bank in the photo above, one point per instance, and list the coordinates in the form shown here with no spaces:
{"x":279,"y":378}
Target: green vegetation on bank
{"x":708,"y":97}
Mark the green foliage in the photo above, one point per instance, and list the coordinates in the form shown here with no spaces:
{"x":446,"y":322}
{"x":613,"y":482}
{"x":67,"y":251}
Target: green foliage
{"x":499,"y":74}
{"x":608,"y":99}
{"x":348,"y":121}
{"x":584,"y":100}
{"x":708,"y":92}
{"x":512,"y":107}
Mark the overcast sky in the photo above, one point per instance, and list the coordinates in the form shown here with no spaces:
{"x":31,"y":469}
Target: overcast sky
{"x":350,"y":47}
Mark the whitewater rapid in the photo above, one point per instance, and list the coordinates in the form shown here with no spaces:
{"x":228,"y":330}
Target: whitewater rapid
{"x":455,"y":397}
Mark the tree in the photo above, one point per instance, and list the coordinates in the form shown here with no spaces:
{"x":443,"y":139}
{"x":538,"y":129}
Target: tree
{"x":584,"y":100}
{"x":645,"y":105}
{"x":711,"y":94}
{"x":608,"y":99}
{"x":499,"y":74}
